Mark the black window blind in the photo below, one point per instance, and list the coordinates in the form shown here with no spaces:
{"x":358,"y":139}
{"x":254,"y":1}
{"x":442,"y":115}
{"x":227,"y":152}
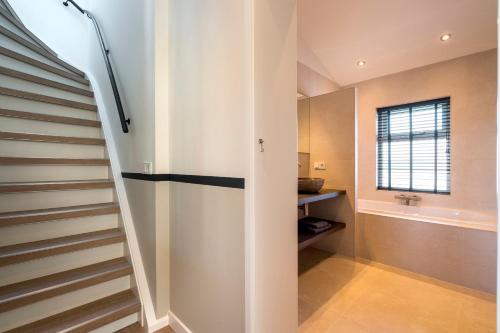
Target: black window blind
{"x":413,"y":147}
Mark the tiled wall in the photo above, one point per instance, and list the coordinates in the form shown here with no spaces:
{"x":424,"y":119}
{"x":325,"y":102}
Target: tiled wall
{"x":471,"y":83}
{"x":458,"y":255}
{"x":304,"y":165}
{"x":463,"y":256}
{"x":332,"y":141}
{"x":303,"y":125}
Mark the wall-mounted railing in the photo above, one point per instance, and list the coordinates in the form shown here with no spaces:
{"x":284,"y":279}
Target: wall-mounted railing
{"x":125,"y":122}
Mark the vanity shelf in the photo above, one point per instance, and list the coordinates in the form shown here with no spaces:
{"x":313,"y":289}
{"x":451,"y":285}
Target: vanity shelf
{"x":324,"y":194}
{"x":307,"y":238}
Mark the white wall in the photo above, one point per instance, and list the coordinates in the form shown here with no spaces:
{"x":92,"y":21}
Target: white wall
{"x":274,"y":180}
{"x":209,"y":93}
{"x":311,"y":83}
{"x":209,"y":86}
{"x":233,"y":81}
{"x":64,"y":30}
{"x":129,"y":35}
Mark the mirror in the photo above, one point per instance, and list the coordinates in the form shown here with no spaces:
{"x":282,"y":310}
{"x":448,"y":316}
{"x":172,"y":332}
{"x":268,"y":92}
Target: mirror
{"x":303,"y":123}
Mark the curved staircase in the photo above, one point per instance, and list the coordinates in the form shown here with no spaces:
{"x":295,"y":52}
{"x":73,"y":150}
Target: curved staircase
{"x":63,"y":253}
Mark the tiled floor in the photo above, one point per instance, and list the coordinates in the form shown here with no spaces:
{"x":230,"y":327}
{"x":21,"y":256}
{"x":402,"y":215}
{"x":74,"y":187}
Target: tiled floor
{"x":340,"y":295}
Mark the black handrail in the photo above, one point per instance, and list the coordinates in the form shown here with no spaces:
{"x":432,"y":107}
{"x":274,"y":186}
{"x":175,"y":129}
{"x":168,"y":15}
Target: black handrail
{"x":105,"y":51}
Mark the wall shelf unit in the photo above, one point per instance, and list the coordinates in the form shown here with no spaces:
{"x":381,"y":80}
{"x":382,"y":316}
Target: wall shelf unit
{"x":306,"y":237}
{"x":324,"y":194}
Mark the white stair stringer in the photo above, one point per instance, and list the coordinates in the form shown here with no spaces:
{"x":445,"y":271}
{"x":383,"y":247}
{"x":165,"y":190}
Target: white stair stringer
{"x":143,"y":290}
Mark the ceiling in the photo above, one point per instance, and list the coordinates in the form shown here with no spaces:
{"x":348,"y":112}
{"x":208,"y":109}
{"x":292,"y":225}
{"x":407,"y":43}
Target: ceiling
{"x":390,"y":35}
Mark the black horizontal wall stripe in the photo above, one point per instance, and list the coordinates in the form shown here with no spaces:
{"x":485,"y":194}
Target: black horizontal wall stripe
{"x":229,"y":182}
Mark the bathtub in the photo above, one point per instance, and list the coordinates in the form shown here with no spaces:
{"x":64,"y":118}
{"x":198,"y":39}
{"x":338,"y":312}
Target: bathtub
{"x":460,"y":218}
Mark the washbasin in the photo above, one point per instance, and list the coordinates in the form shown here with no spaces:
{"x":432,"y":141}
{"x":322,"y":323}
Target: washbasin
{"x":310,"y":185}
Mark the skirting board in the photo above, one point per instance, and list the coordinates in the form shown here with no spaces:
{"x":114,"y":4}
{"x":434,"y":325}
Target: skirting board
{"x":159,"y":324}
{"x":177,"y":325}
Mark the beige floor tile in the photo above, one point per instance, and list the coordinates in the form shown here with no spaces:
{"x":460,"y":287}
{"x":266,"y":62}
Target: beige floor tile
{"x":380,"y":312}
{"x":344,"y":325}
{"x":321,"y":321}
{"x":478,"y":315}
{"x":339,"y":295}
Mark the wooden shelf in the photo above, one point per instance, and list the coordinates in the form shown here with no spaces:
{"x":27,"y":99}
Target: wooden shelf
{"x":308,"y":238}
{"x":324,"y":194}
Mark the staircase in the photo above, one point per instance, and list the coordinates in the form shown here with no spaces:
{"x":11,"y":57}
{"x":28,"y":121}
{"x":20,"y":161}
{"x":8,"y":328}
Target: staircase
{"x":63,"y":253}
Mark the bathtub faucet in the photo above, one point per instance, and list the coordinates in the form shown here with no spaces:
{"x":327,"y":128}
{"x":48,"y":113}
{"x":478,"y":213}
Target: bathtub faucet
{"x":407,"y":200}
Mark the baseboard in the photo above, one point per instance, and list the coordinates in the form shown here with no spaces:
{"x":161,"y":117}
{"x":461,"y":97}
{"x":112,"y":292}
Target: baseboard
{"x":159,"y":324}
{"x":177,"y":325}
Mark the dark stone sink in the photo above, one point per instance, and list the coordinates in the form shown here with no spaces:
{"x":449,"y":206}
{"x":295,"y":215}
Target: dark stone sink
{"x":310,"y":185}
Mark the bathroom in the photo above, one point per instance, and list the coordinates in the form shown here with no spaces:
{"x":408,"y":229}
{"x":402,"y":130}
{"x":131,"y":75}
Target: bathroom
{"x":397,"y":126}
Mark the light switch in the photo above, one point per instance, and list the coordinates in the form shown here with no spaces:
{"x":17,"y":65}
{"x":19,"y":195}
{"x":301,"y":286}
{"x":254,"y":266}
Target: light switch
{"x":148,"y":168}
{"x":319,"y":166}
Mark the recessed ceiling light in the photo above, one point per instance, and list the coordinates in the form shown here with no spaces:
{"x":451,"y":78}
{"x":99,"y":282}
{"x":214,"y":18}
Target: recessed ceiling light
{"x":445,"y":37}
{"x":361,"y":63}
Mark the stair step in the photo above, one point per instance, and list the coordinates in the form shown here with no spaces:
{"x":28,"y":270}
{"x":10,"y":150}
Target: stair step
{"x":55,"y":214}
{"x":46,"y":82}
{"x":20,"y":26}
{"x":6,"y":160}
{"x":35,"y":48}
{"x":17,"y":253}
{"x":33,"y":62}
{"x":86,"y":317}
{"x":47,"y":99}
{"x":49,"y":118}
{"x":55,"y":264}
{"x":137,"y":328}
{"x":51,"y":138}
{"x":23,"y":293}
{"x":55,"y":186}
{"x":8,"y":22}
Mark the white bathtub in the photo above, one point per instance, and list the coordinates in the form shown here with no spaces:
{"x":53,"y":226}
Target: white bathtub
{"x":460,"y":218}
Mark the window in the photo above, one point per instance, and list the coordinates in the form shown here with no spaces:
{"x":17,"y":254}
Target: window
{"x":413,"y":147}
